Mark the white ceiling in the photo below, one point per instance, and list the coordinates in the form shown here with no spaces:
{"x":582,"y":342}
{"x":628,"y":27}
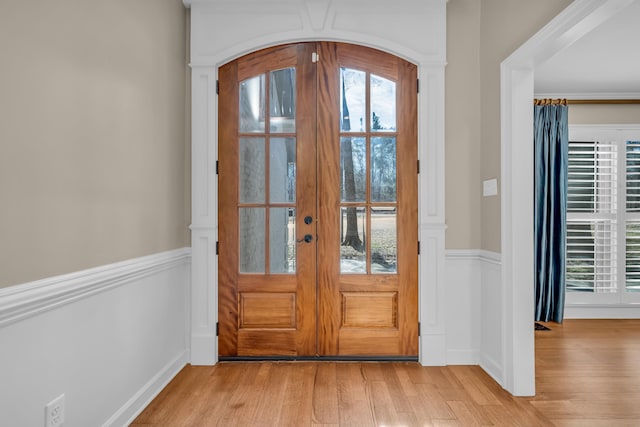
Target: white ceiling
{"x":605,"y":63}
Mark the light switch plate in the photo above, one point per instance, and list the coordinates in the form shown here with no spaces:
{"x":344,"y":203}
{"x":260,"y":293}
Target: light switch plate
{"x":490,"y":187}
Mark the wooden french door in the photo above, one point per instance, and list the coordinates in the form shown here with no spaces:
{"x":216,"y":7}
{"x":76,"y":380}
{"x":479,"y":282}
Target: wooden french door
{"x":318,"y":203}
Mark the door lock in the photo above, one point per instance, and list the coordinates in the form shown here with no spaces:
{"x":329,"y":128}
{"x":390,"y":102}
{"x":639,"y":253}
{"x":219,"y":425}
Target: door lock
{"x":307,"y":238}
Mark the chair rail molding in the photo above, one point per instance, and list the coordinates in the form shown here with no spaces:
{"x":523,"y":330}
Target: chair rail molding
{"x":22,"y":301}
{"x":222,"y":30}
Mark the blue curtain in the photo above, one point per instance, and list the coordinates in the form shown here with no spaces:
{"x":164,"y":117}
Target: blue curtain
{"x":551,"y":142}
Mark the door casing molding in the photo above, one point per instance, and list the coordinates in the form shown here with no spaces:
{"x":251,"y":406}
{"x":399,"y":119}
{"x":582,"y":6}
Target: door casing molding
{"x":222,"y":30}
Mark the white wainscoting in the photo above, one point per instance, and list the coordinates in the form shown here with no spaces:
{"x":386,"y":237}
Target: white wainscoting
{"x":492,"y":334}
{"x":108,"y":338}
{"x":464,"y":285}
{"x":474,"y":310}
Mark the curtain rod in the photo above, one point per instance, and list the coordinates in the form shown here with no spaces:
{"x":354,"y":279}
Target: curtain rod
{"x":549,"y":101}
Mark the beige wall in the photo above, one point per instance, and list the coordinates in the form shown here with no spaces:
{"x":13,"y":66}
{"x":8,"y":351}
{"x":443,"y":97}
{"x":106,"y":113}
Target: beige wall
{"x":92,"y":141}
{"x":604,"y":114}
{"x":505,"y":26}
{"x":489,"y":32}
{"x":463,"y":189}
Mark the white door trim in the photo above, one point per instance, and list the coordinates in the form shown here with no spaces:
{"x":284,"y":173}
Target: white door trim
{"x":222,"y":30}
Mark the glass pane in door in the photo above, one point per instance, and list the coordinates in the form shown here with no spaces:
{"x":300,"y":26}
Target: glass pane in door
{"x":282,"y":101}
{"x":282,"y":170}
{"x":252,"y":100}
{"x":282,"y":240}
{"x":251,"y":170}
{"x":384,"y":240}
{"x":353,"y":97}
{"x":383,"y":104}
{"x":252,"y":240}
{"x":383,"y":169}
{"x":353,"y":247}
{"x":353,"y":169}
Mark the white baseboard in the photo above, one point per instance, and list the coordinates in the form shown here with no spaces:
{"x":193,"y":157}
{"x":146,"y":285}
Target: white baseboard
{"x":203,"y":348}
{"x":138,"y":402}
{"x":492,"y":367}
{"x":597,"y":311}
{"x":463,"y":357}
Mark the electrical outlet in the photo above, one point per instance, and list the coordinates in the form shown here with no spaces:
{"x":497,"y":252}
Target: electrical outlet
{"x":54,"y":412}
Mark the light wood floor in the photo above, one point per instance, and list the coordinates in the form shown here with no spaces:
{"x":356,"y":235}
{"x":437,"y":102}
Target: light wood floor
{"x":587,"y":374}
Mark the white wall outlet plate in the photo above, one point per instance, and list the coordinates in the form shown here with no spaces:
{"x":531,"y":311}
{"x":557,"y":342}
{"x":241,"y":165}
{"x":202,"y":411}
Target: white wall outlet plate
{"x":54,"y":412}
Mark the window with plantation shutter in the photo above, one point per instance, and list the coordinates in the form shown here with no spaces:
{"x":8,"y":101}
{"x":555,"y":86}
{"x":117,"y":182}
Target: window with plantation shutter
{"x":603,"y":215}
{"x":591,"y":216}
{"x":632,"y":214}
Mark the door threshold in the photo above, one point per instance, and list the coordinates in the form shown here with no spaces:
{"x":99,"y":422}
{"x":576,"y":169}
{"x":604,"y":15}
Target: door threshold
{"x":318,"y":358}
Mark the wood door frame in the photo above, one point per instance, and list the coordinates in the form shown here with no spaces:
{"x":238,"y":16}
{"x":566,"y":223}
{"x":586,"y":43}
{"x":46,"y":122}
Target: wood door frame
{"x":419,"y":36}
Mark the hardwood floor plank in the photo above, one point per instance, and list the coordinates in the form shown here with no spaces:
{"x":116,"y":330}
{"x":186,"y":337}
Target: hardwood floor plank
{"x":447,"y":423}
{"x":183,"y":397}
{"x":403,"y":372}
{"x":421,"y":411}
{"x":209,"y":399}
{"x":474,"y":386}
{"x":462,"y":414}
{"x":270,"y":401}
{"x":242,"y":404}
{"x":155,"y":412}
{"x":354,"y":395}
{"x":394,"y":389}
{"x":372,"y":371}
{"x":584,"y":422}
{"x":434,"y":405}
{"x":383,"y":407}
{"x":325,"y":396}
{"x":298,"y":402}
{"x":589,"y":409}
{"x":241,"y":407}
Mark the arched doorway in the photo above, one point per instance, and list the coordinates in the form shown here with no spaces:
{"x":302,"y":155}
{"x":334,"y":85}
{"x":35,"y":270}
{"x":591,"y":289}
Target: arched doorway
{"x":224,"y":30}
